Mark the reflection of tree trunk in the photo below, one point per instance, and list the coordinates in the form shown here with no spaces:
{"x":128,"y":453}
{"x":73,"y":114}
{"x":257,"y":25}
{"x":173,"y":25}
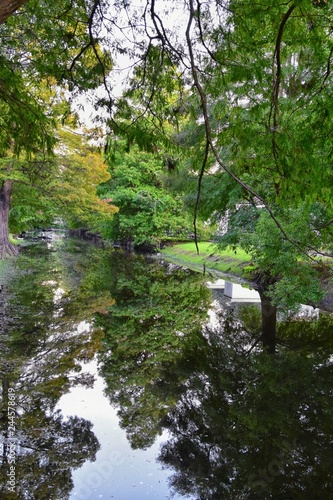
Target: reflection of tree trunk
{"x":6,"y":248}
{"x":268,"y":315}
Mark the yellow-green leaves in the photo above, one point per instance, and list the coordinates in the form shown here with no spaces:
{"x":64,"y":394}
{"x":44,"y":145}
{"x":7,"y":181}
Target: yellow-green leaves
{"x":80,"y":169}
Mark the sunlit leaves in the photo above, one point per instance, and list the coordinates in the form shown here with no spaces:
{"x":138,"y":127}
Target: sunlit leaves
{"x":81,"y":169}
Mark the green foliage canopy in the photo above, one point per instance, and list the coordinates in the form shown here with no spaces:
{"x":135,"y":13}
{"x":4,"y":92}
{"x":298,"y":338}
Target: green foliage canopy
{"x":148,"y":213}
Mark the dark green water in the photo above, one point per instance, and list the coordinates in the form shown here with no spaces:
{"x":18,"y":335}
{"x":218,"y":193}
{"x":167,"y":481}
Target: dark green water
{"x":115,"y":385}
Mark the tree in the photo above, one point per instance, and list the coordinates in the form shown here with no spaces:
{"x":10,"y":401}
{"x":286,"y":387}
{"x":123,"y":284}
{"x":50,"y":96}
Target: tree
{"x":143,"y":154}
{"x":258,"y":90}
{"x":66,"y":190}
{"x":256,"y":83}
{"x":25,"y":140}
{"x":284,"y":274}
{"x":148,"y":213}
{"x":73,"y":190}
{"x":261,"y":87}
{"x":60,"y":50}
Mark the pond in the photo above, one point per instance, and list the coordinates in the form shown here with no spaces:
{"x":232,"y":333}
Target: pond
{"x":126,"y":377}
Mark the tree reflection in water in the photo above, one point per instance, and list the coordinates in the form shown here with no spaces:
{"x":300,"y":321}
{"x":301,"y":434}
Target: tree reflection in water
{"x":157,"y":308}
{"x":241,"y":423}
{"x":46,"y":303}
{"x":255,"y":426}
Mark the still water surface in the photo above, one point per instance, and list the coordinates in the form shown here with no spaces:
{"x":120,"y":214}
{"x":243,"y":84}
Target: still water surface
{"x":123,"y":388}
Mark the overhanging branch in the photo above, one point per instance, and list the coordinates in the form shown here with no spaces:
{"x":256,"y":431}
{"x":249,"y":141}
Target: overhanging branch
{"x":210,"y":145}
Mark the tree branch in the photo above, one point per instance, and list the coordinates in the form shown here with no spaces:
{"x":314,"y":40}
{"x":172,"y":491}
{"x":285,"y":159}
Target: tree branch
{"x":277,"y":58}
{"x":276,"y":82}
{"x":210,"y":142}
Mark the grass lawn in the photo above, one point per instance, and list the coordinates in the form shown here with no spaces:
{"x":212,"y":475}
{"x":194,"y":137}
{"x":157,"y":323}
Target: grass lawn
{"x":226,"y":261}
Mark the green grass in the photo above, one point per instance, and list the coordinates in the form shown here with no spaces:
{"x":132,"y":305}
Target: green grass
{"x":226,"y":261}
{"x":14,"y":241}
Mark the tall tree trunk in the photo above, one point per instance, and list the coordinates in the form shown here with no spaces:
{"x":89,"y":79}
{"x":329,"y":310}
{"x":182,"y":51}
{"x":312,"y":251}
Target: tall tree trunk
{"x":6,"y":248}
{"x":8,"y":7}
{"x":268,"y":315}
